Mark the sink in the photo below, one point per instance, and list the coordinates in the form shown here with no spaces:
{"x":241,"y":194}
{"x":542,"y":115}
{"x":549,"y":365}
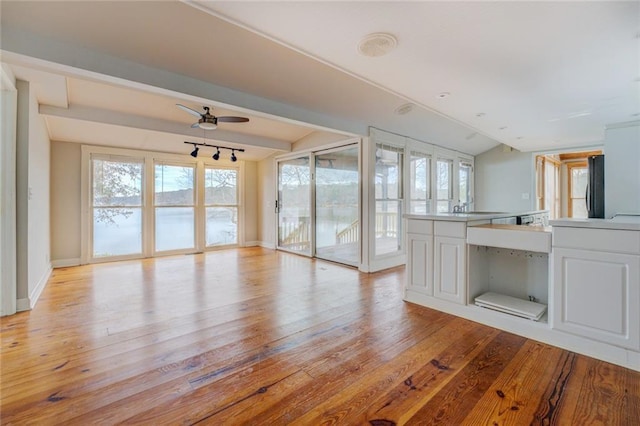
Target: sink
{"x":479,"y":212}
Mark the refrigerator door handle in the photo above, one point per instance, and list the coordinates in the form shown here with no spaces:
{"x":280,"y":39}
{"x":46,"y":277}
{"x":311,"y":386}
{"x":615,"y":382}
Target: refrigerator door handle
{"x":587,"y":200}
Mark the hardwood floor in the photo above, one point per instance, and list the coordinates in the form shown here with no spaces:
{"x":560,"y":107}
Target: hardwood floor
{"x":253,"y":336}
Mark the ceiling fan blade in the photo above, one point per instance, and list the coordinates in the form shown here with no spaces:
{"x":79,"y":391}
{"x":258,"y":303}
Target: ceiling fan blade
{"x":189,"y":110}
{"x":230,"y":119}
{"x":195,"y":125}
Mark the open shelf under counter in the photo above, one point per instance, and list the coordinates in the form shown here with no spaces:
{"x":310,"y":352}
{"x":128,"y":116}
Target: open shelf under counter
{"x":517,"y":237}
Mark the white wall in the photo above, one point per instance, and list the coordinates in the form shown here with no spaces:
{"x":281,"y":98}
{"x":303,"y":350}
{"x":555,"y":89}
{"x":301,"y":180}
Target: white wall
{"x":266,"y":202}
{"x":316,"y":140}
{"x":8,"y":112}
{"x":251,"y":203}
{"x":501,"y":179}
{"x":32,"y":197}
{"x":65,"y":203}
{"x":622,"y":169}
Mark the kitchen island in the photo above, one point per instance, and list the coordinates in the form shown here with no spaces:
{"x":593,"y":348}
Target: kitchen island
{"x":473,"y":266}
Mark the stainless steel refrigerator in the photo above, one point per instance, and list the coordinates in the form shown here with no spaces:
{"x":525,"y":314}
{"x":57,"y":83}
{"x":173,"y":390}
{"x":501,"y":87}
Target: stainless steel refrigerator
{"x":595,"y":187}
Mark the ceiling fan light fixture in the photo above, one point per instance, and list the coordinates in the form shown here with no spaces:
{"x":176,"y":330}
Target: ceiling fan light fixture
{"x":207,"y":123}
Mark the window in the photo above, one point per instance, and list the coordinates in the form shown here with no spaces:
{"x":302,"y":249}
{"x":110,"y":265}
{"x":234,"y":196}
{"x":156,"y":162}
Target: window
{"x":548,"y":190}
{"x":578,"y":178}
{"x":116,"y":207}
{"x":420,"y":183}
{"x":174,"y":207}
{"x":389,"y":199}
{"x":444,"y":185}
{"x":465,"y":179}
{"x":221,"y":205}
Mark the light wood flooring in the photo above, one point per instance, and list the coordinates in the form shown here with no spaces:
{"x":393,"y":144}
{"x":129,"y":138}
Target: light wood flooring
{"x":254,"y":336}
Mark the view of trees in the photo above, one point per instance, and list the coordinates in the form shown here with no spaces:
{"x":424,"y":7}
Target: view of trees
{"x":116,"y":186}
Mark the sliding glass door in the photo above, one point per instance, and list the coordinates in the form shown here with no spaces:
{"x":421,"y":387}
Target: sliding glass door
{"x":294,"y":205}
{"x":337,"y":225}
{"x":318,"y":205}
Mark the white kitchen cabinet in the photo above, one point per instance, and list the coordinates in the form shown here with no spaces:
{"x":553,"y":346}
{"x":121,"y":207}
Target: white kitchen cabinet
{"x":420,"y":265}
{"x":596,"y":283}
{"x":597,"y":295}
{"x":450,"y":266}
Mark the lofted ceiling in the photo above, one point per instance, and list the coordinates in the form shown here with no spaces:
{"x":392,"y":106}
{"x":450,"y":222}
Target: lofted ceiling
{"x":532,"y":75}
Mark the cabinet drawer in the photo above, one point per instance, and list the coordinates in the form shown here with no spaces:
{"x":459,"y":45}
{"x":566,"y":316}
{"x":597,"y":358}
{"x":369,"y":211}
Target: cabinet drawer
{"x":418,"y":226}
{"x":451,"y":229}
{"x":611,"y":240}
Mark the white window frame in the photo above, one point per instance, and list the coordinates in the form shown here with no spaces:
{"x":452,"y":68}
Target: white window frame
{"x":205,"y":205}
{"x":150,"y":159}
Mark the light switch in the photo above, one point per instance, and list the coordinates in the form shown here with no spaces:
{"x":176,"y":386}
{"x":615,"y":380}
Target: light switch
{"x":525,"y":195}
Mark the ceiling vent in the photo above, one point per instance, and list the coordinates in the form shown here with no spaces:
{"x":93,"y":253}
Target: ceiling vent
{"x":377,"y":44}
{"x":405,"y":109}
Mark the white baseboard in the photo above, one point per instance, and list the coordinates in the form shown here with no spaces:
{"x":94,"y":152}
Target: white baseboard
{"x":42,"y":283}
{"x":63,"y":263}
{"x":267,"y":245}
{"x":29,"y":303}
{"x":251,"y":243}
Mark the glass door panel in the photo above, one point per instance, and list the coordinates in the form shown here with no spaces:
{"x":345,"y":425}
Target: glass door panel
{"x":294,"y":205}
{"x":337,"y":226}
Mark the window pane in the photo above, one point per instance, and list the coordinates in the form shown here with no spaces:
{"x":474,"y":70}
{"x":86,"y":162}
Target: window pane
{"x":117,"y":183}
{"x":579,"y":178}
{"x":174,"y":228}
{"x":222,"y":225}
{"x":117,"y":231}
{"x":420,"y":184}
{"x":388,"y":226}
{"x":220,"y":186}
{"x":388,"y":174}
{"x":465,"y":183}
{"x":174,"y":185}
{"x":444,"y":185}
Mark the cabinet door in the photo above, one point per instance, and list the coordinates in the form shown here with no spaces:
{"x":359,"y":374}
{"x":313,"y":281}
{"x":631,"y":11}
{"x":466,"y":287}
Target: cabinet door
{"x":450,"y":269}
{"x":420,"y":265}
{"x":597,"y":295}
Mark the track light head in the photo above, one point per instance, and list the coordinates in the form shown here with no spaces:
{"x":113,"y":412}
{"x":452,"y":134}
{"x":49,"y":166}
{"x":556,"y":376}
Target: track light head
{"x":216,"y":156}
{"x":233,"y":156}
{"x":194,"y":153}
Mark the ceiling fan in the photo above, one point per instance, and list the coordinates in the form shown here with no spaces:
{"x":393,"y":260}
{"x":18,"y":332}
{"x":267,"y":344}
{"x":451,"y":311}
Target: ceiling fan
{"x":207,"y":121}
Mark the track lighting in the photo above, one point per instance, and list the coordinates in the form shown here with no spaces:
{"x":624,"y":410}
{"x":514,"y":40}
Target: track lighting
{"x":215,"y":156}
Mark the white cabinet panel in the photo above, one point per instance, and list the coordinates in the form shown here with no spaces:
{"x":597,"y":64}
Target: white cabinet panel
{"x":450,"y":269}
{"x":597,"y":295}
{"x":420,"y":266}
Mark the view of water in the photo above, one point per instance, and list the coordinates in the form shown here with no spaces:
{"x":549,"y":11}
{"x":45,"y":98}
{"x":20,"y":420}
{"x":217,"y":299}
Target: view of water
{"x":174,"y":230}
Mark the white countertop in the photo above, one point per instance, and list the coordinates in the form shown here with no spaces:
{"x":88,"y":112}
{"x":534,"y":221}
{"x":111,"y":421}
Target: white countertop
{"x":623,"y":222}
{"x":467,"y":217}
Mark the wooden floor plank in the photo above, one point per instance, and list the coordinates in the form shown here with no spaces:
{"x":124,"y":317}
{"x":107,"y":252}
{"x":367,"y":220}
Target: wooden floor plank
{"x":256,"y":336}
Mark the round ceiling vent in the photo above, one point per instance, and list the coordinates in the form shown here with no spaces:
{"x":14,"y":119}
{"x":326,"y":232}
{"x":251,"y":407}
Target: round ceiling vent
{"x":377,"y":44}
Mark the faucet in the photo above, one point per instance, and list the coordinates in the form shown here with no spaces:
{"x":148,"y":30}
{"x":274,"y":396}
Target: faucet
{"x":460,"y":208}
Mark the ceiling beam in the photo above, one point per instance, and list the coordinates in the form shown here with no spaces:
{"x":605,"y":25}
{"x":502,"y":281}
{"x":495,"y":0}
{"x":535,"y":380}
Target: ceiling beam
{"x":28,"y":49}
{"x":97,"y":115}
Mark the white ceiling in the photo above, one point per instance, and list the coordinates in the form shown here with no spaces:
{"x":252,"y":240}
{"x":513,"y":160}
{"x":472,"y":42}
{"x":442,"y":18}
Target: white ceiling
{"x":553,"y":74}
